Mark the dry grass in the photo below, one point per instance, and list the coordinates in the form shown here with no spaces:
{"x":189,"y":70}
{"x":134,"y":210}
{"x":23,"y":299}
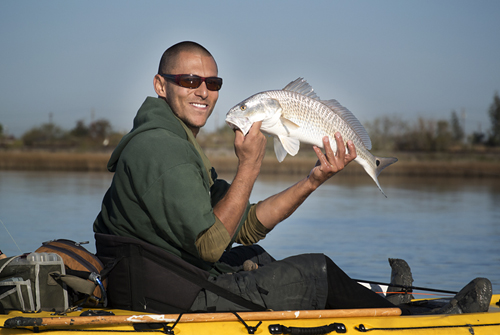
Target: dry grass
{"x":404,"y":167}
{"x":224,"y":164}
{"x":58,"y":161}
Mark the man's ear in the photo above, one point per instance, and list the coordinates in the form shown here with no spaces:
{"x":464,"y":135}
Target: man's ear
{"x":159,"y":84}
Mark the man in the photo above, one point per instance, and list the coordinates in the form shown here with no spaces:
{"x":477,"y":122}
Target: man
{"x":166,"y":193}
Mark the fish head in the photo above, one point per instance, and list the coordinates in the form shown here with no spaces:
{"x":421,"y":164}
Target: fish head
{"x":259,"y":107}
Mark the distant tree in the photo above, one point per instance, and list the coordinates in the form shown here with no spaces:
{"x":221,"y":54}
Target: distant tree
{"x":1,"y":130}
{"x":477,"y":137}
{"x":423,"y":135}
{"x":46,"y":134}
{"x":494,"y":113}
{"x":443,"y":136}
{"x":457,"y":130}
{"x":100,"y":129}
{"x":388,"y":133}
{"x":80,"y":130}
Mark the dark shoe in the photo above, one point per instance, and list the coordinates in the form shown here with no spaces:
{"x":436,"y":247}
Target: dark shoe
{"x":475,"y":297}
{"x":401,"y":280}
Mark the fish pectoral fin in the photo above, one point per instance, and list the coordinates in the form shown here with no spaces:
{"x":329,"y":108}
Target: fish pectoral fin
{"x":290,"y":144}
{"x":289,"y":125}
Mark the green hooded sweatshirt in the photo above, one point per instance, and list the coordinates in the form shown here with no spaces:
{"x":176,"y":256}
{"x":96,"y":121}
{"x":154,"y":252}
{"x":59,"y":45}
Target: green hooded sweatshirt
{"x":163,"y":188}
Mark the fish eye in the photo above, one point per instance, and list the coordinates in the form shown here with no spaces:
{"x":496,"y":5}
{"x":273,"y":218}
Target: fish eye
{"x":243,"y":107}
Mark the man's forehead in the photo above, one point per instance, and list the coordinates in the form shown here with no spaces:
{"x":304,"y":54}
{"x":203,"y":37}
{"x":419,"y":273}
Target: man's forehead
{"x":193,"y":61}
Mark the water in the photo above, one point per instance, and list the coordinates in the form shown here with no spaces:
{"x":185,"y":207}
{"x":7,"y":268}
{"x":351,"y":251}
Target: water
{"x":446,"y":229}
{"x":42,"y":206}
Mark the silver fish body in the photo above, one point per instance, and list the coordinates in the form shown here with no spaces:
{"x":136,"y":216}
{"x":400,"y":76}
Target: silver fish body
{"x":296,"y":114}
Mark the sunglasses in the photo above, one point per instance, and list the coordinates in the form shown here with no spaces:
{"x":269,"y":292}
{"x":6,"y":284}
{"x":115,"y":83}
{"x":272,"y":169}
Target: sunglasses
{"x":194,"y":81}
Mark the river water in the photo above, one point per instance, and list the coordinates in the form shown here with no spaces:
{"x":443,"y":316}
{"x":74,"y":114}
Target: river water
{"x":447,"y":229}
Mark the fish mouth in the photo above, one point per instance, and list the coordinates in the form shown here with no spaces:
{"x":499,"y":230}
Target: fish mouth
{"x":232,"y":125}
{"x":240,"y":123}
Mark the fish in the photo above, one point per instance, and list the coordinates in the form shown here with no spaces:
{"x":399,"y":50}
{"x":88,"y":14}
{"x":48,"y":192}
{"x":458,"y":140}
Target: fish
{"x":297,"y":115}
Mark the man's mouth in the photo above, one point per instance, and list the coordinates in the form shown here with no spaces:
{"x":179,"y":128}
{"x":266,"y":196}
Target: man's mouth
{"x":197,"y":105}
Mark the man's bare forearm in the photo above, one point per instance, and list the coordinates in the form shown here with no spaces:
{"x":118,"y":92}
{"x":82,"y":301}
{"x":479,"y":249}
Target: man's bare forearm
{"x":277,"y":208}
{"x":280,"y":206}
{"x":230,"y":209}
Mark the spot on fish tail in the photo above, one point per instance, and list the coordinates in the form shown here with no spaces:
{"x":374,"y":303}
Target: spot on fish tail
{"x":377,"y":162}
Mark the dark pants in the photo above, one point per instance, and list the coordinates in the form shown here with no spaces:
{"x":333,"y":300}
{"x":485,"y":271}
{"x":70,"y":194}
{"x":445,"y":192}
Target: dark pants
{"x":343,"y":292}
{"x":303,"y":282}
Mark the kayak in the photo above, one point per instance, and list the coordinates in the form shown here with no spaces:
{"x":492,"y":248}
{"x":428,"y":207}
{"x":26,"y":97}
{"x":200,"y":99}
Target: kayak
{"x":351,"y":321}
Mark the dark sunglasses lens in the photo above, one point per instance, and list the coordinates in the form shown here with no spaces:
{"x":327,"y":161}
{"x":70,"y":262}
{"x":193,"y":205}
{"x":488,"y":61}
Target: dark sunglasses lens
{"x":214,"y":83}
{"x":190,"y":81}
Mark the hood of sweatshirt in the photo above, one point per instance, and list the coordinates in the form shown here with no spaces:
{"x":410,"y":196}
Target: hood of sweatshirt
{"x":154,"y":113}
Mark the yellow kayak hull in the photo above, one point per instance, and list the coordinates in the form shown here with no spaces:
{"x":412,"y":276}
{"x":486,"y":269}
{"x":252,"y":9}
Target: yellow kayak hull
{"x":373,"y":321}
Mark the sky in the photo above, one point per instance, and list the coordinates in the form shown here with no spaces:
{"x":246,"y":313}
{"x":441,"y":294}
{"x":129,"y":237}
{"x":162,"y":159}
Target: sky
{"x":64,"y":61}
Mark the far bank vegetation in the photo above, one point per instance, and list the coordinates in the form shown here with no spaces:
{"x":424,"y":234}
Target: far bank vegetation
{"x":87,"y":147}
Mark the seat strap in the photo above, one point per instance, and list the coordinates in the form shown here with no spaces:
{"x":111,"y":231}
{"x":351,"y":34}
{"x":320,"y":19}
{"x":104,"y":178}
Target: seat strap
{"x":204,"y":283}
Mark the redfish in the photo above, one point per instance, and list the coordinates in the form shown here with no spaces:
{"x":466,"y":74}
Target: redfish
{"x":296,"y":114}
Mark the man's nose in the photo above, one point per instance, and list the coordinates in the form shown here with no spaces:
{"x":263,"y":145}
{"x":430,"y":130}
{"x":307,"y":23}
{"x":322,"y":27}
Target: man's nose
{"x":202,"y":90}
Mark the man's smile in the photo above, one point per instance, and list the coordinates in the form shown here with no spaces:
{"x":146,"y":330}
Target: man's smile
{"x":199,"y":105}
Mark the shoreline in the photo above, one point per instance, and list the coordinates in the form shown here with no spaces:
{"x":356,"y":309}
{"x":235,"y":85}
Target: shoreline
{"x":408,"y":164}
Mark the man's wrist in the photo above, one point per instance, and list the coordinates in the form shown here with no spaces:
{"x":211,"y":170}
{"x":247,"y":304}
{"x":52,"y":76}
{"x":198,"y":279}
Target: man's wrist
{"x":248,"y":170}
{"x":311,"y":184}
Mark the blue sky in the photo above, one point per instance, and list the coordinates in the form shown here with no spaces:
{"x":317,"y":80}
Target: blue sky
{"x":398,"y":58}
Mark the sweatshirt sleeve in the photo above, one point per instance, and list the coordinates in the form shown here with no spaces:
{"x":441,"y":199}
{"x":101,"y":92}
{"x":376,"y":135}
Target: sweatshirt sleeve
{"x":252,"y":231}
{"x":212,"y":242}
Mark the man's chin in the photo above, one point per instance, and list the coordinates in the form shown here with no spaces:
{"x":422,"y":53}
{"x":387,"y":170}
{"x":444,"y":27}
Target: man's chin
{"x":195,"y":126}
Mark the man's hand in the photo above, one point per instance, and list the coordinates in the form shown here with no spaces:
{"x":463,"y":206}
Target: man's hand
{"x":329,"y":164}
{"x":250,"y":149}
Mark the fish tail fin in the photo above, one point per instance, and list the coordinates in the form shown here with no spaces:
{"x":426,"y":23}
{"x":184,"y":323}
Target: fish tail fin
{"x":383,"y":162}
{"x":380,"y":164}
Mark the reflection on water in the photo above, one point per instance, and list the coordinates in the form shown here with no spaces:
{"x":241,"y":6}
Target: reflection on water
{"x":40,"y":206}
{"x":446,"y":229}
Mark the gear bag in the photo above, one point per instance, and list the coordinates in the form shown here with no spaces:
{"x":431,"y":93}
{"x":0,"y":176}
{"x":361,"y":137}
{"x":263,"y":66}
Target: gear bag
{"x":27,"y":283}
{"x":58,"y":275}
{"x":83,"y":271}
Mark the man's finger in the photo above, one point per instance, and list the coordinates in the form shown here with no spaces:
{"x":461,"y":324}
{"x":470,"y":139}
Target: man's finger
{"x":238,"y":136}
{"x":340,"y":147}
{"x":352,"y":151}
{"x":255,"y":127}
{"x":330,"y":155}
{"x":322,"y":159}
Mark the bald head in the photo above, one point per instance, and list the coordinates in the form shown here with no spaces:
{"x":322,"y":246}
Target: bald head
{"x":170,"y":56}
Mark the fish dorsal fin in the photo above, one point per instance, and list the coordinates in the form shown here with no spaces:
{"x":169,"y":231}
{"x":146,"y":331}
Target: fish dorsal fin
{"x":351,"y":120}
{"x":300,"y":85}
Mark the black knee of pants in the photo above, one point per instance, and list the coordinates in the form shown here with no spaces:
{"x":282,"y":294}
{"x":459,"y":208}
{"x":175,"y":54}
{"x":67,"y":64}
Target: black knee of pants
{"x":345,"y":293}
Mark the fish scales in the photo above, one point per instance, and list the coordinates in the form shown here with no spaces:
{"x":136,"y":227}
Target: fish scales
{"x":296,"y":115}
{"x":314,"y":117}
